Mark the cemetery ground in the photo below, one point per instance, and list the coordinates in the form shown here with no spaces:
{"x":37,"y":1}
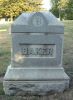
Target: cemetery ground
{"x":5,"y":56}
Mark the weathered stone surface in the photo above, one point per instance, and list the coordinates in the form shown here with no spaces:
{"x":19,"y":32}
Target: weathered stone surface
{"x":35,"y":81}
{"x":22,"y":42}
{"x":35,"y":74}
{"x":37,"y":22}
{"x":36,"y":56}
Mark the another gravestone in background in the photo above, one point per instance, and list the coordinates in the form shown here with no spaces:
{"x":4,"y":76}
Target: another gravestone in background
{"x":37,"y":49}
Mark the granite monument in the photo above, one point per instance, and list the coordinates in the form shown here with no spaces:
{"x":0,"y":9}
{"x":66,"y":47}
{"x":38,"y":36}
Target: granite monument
{"x":36,"y":55}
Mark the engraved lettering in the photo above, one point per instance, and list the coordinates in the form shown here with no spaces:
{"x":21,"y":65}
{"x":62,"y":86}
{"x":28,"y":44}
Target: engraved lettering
{"x":38,"y":50}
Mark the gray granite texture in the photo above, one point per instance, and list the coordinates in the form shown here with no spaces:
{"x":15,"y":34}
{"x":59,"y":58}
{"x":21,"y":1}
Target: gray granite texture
{"x":36,"y":55}
{"x":21,"y":41}
{"x":24,"y":23}
{"x":35,"y":81}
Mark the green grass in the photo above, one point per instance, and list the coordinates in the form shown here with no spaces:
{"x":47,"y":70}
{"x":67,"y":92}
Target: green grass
{"x":4,"y":26}
{"x":1,"y":89}
{"x":5,"y":46}
{"x":68,"y":46}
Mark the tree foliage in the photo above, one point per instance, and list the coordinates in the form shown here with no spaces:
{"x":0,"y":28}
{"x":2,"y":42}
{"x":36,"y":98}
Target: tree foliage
{"x":55,"y":9}
{"x":12,"y":8}
{"x":66,"y":7}
{"x":63,"y":8}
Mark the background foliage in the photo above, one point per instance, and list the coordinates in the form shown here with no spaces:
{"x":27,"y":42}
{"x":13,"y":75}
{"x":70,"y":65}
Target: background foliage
{"x":63,"y":9}
{"x":12,"y":8}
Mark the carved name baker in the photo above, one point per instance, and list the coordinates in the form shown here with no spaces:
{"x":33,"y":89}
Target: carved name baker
{"x":37,"y":50}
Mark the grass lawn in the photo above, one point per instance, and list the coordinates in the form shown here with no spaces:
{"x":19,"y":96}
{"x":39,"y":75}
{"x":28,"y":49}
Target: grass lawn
{"x":5,"y":46}
{"x":68,"y":46}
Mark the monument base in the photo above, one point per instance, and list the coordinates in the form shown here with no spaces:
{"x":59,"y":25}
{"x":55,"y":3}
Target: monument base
{"x":35,"y":81}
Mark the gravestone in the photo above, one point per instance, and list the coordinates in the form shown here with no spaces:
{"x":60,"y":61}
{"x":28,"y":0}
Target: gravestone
{"x":36,"y":55}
